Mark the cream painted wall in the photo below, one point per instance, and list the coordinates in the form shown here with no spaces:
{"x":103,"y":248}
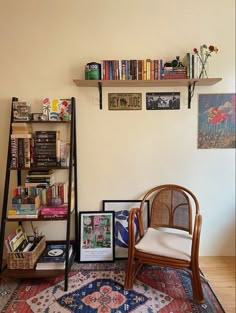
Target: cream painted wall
{"x":45,"y":45}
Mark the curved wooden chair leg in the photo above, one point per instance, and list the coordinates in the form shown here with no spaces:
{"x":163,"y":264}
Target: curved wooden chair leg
{"x":197,"y":286}
{"x":129,"y":277}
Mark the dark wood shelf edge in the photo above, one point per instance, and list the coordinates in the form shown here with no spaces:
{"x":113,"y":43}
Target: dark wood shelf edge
{"x":39,"y":168}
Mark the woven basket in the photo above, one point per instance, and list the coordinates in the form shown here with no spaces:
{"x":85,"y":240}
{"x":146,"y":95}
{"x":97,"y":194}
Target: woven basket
{"x":25,"y":260}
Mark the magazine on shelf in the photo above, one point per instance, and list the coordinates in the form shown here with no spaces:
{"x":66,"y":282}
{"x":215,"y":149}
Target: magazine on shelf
{"x":54,"y":253}
{"x":54,"y":257}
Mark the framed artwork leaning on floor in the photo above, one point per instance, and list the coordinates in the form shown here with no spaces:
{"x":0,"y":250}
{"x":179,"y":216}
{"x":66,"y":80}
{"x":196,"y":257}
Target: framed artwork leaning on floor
{"x":96,"y":236}
{"x":121,"y":210}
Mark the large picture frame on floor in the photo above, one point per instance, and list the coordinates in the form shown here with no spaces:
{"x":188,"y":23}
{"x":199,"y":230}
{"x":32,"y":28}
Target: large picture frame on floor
{"x":121,"y":210}
{"x":96,"y":236}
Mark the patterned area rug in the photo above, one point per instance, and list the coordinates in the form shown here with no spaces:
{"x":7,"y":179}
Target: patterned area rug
{"x":99,"y":288}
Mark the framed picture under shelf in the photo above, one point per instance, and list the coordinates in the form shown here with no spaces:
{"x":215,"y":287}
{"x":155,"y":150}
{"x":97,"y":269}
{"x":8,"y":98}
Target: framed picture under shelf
{"x":121,"y":210}
{"x":96,"y":236}
{"x":124,"y":101}
{"x":163,"y":100}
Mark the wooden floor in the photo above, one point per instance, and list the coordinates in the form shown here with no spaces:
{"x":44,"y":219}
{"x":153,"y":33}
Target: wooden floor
{"x":220,"y":272}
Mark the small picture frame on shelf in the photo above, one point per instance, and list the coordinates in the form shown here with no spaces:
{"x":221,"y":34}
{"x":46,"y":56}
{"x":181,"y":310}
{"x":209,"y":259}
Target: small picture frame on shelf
{"x":121,"y":210}
{"x":21,"y":111}
{"x":38,"y":117}
{"x":96,"y":236}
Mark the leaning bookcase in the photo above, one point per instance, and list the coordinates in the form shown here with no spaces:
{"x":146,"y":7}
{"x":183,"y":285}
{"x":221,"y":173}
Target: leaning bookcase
{"x":7,"y":267}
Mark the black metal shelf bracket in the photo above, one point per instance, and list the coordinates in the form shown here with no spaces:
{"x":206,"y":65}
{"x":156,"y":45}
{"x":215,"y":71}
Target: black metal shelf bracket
{"x":191,"y":88}
{"x":100,"y":94}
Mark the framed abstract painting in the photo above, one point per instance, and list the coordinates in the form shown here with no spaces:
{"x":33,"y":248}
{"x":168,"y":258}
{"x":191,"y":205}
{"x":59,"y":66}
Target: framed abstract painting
{"x":121,"y":210}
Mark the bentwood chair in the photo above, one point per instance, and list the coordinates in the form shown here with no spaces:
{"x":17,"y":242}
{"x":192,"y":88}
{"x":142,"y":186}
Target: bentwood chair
{"x":172,"y":237}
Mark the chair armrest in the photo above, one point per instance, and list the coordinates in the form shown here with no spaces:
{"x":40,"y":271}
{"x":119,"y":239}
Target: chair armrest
{"x":132,"y":231}
{"x":196,"y":238}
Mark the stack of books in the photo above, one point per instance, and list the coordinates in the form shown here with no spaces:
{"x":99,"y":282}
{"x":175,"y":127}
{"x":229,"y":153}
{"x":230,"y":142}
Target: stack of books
{"x":59,"y":211}
{"x":54,"y":257}
{"x":169,"y":72}
{"x":43,"y":177}
{"x":47,"y":149}
{"x":24,"y":206}
{"x":21,"y":139}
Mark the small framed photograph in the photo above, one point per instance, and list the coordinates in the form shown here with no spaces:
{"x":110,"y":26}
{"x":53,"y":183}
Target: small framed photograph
{"x":21,"y":110}
{"x":38,"y":117}
{"x":121,"y":210}
{"x":96,"y":236}
{"x":163,"y":100}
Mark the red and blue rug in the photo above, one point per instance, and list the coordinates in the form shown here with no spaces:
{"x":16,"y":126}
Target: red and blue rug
{"x":99,"y":288}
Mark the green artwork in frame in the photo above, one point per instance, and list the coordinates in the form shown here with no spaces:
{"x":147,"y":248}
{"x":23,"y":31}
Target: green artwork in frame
{"x":96,"y":236}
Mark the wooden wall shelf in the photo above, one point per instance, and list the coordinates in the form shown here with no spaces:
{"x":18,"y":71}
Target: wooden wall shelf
{"x":190,"y":83}
{"x":147,"y":83}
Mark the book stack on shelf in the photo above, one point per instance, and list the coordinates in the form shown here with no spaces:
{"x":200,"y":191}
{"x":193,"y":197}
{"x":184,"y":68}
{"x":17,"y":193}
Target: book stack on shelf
{"x":171,"y":72}
{"x":56,"y":205}
{"x":24,"y":205}
{"x":21,"y":137}
{"x":41,"y":201}
{"x":56,"y":211}
{"x":47,"y":149}
{"x":39,"y":178}
{"x":39,"y":149}
{"x":53,"y":257}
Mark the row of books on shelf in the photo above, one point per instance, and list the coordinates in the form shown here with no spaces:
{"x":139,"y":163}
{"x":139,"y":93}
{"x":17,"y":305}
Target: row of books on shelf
{"x":53,"y":109}
{"x":59,"y":211}
{"x":39,"y":200}
{"x":150,"y":69}
{"x":53,"y":256}
{"x":39,"y":149}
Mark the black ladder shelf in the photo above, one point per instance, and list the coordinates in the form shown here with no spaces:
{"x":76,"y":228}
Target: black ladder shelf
{"x":72,"y":183}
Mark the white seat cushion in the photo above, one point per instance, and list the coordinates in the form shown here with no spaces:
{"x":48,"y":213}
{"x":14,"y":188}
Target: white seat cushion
{"x":173,"y":245}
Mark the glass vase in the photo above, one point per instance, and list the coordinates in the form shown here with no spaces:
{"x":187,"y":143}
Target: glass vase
{"x":203,"y":69}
